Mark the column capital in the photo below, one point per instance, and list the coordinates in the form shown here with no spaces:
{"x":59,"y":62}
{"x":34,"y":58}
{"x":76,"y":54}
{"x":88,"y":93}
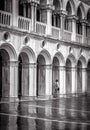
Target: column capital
{"x":72,"y":17}
{"x":13,"y":63}
{"x":84,"y":69}
{"x":83,"y":21}
{"x":63,"y":13}
{"x":48,"y":66}
{"x":48,"y":7}
{"x":32,"y":65}
{"x":62,"y":68}
{"x":29,"y":1}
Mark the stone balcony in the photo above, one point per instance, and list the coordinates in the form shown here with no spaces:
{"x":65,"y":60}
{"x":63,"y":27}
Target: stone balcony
{"x":25,"y":25}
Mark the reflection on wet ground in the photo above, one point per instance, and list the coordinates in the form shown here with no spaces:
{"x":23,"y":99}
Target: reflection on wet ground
{"x":58,"y":114}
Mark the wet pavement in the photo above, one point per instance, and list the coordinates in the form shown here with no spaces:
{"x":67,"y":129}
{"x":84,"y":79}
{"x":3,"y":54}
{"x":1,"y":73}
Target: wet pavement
{"x":57,"y":114}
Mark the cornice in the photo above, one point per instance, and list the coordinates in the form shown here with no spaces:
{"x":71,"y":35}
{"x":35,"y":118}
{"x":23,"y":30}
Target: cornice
{"x":43,"y":37}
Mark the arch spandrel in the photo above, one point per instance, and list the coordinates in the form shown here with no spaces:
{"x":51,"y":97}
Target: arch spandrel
{"x":46,"y":55}
{"x":11,"y":51}
{"x":60,"y":57}
{"x":72,"y":4}
{"x":81,"y":6}
{"x":30,"y":53}
{"x":72,"y":59}
{"x":83,"y":61}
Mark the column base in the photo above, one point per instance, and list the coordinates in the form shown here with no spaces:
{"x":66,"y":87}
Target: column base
{"x":9,"y":99}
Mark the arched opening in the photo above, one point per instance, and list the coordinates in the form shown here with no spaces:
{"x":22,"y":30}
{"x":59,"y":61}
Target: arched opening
{"x":68,"y":20}
{"x":68,"y":77}
{"x":79,"y":24}
{"x":88,"y":24}
{"x":4,"y":74}
{"x":69,"y":9}
{"x":79,"y":77}
{"x":23,"y":75}
{"x":88,"y":77}
{"x":55,"y":73}
{"x":41,"y":12}
{"x":24,"y":9}
{"x":6,"y":5}
{"x":41,"y":75}
{"x":55,"y":69}
{"x":55,"y":15}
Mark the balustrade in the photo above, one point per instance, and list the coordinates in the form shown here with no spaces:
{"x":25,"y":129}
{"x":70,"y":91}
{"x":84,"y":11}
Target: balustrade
{"x":56,"y":32}
{"x":88,"y":41}
{"x":5,"y":18}
{"x":24,"y":23}
{"x":40,"y":28}
{"x":67,"y":35}
{"x":79,"y":38}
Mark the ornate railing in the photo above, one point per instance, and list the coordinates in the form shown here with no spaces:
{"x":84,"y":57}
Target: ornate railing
{"x":56,"y":32}
{"x":78,"y":38}
{"x":24,"y":23}
{"x":88,"y":41}
{"x":5,"y":18}
{"x":67,"y":35}
{"x":40,"y":28}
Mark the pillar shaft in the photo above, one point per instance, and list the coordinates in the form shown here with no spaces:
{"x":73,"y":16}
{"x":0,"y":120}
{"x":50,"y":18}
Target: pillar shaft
{"x":15,"y":13}
{"x":74,"y":81}
{"x":49,"y":22}
{"x":63,"y":15}
{"x":24,"y":10}
{"x":49,"y":9}
{"x":84,"y":31}
{"x":84,"y":80}
{"x":62,"y":80}
{"x":13,"y":80}
{"x":32,"y":79}
{"x":33,"y":17}
{"x":48,"y":80}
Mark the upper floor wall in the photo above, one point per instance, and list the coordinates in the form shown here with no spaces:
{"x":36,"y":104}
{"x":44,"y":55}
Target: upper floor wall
{"x":68,"y":20}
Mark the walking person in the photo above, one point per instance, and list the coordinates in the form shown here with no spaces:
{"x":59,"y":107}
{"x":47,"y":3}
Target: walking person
{"x":56,"y":88}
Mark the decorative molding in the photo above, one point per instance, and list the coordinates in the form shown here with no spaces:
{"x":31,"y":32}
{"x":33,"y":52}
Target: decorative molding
{"x":6,"y":36}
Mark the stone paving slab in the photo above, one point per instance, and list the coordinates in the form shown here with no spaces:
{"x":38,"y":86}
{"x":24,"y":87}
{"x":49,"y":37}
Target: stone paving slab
{"x":59,"y":114}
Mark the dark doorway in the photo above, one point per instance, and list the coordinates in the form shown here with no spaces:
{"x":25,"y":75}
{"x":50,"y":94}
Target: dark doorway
{"x":4,"y":74}
{"x":88,"y":77}
{"x":79,"y":77}
{"x":41,"y":75}
{"x":68,"y":77}
{"x":23,"y":76}
{"x":0,"y":76}
{"x":20,"y":78}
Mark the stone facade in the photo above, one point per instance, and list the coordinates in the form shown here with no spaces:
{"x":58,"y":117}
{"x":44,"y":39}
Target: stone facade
{"x":41,"y":42}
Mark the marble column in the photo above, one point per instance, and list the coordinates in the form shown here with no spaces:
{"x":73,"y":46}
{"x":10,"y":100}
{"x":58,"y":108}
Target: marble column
{"x":24,"y":10}
{"x":83,"y":21}
{"x":54,"y":19}
{"x":29,"y":11}
{"x":48,"y":92}
{"x":63,"y":15}
{"x":13,"y":80}
{"x":5,"y":5}
{"x":49,"y":19}
{"x":33,"y":16}
{"x":74,"y":18}
{"x":15,"y":13}
{"x":32,"y":79}
{"x":74,"y":73}
{"x":62,"y":80}
{"x":84,"y":80}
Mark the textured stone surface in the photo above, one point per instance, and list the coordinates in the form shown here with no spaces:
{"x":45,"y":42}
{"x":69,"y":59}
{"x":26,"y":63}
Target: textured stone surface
{"x":58,"y":114}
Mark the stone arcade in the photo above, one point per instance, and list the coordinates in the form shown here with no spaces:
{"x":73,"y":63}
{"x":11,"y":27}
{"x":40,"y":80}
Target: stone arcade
{"x":41,"y":41}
